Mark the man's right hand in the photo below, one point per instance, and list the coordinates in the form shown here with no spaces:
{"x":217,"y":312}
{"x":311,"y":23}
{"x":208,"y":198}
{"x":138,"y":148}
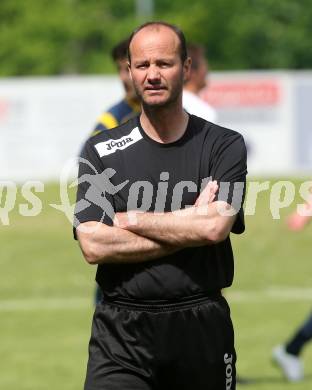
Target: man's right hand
{"x":208,"y":195}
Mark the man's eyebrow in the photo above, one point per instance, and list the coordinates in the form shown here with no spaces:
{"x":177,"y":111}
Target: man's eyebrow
{"x":165,"y":59}
{"x":141,"y":61}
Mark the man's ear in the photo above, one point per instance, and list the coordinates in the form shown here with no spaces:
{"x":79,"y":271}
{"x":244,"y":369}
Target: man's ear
{"x":129,"y":69}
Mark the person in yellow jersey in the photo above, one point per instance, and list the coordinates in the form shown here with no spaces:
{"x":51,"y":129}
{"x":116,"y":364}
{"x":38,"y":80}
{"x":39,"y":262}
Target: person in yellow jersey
{"x":129,"y":106}
{"x":122,"y":111}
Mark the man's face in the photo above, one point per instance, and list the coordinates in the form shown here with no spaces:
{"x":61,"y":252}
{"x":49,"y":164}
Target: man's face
{"x":156,"y":68}
{"x":123,"y":71}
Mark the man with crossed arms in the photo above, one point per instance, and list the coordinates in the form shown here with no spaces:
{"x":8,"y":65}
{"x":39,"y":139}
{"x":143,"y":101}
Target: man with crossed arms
{"x":165,"y":255}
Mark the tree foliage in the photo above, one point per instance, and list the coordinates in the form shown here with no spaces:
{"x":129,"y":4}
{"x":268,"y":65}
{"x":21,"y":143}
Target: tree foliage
{"x":42,"y":37}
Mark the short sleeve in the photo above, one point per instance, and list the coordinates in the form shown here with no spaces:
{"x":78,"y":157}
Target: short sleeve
{"x":93,"y":201}
{"x":229,"y":168}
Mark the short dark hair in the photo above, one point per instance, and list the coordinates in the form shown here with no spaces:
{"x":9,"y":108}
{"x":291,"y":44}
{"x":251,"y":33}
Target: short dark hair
{"x":196,"y":52}
{"x":175,"y":29}
{"x":120,"y":51}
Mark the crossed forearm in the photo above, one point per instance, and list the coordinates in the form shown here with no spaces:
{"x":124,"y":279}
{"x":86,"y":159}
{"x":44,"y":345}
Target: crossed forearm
{"x":114,"y":245}
{"x":148,"y":236}
{"x":195,"y":226}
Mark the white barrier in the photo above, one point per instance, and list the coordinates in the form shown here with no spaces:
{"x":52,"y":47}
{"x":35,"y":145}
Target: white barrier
{"x":266,"y":107}
{"x":44,"y":121}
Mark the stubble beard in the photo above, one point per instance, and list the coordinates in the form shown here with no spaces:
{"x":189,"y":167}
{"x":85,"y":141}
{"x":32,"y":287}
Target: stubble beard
{"x":171,"y":100}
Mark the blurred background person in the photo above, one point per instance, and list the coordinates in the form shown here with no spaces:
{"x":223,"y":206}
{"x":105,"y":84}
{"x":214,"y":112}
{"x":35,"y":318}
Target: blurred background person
{"x":192,"y":103}
{"x":297,"y":221}
{"x":122,"y":111}
{"x":287,"y":356}
{"x":129,"y":106}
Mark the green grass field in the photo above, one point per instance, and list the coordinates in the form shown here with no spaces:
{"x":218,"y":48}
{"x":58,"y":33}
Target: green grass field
{"x":46,"y":294}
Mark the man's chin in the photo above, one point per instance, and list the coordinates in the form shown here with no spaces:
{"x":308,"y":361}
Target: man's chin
{"x":155,"y":101}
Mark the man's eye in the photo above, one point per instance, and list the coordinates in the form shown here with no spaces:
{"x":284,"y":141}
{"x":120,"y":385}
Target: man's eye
{"x":165,"y":65}
{"x":142,"y":66}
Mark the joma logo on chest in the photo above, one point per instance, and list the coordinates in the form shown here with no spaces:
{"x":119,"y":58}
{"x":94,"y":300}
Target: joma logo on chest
{"x":118,"y":144}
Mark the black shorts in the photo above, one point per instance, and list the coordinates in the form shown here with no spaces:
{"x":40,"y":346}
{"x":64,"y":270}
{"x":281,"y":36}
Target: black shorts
{"x":185,"y":346}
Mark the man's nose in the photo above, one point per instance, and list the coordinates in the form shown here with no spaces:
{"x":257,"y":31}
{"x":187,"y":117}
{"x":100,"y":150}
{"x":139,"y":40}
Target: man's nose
{"x":153,"y":74}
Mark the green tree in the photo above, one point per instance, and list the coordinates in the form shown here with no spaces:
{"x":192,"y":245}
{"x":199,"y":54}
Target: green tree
{"x":41,"y":37}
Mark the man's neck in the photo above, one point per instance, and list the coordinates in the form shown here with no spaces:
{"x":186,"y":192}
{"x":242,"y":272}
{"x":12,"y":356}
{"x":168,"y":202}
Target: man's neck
{"x":164,"y":124}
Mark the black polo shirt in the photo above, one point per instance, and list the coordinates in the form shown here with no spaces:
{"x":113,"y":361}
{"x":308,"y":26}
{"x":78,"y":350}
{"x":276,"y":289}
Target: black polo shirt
{"x":124,"y":169}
